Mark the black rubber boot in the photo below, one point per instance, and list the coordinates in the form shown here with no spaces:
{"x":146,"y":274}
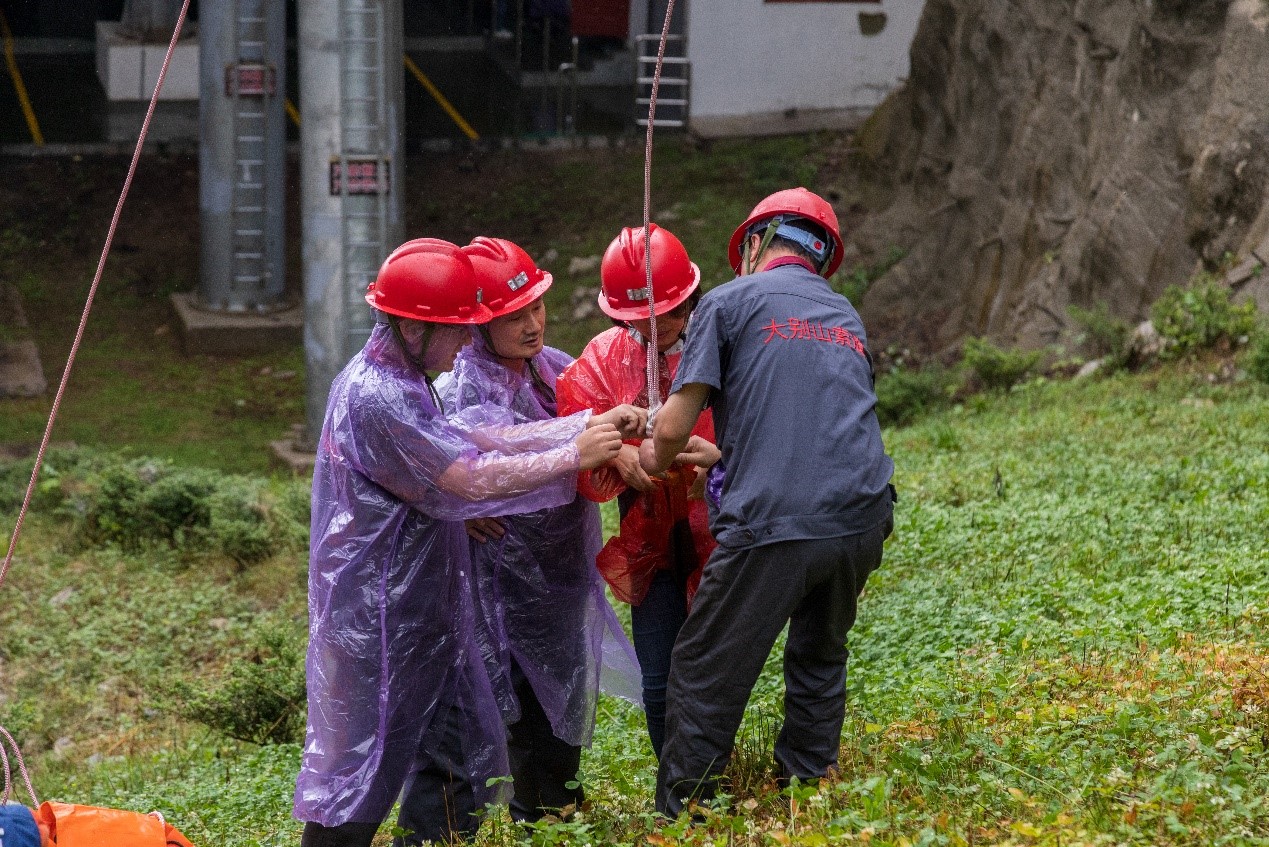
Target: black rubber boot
{"x":352,"y":834}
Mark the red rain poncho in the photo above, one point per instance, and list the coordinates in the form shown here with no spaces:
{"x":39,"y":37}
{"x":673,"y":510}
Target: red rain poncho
{"x":391,"y":621}
{"x":613,"y":370}
{"x":541,"y":603}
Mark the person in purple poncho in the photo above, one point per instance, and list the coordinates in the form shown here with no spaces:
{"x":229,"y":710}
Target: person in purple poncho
{"x":546,"y":628}
{"x":395,"y":678}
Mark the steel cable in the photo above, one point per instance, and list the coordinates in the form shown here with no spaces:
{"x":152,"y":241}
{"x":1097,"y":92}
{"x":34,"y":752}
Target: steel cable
{"x":654,"y":376}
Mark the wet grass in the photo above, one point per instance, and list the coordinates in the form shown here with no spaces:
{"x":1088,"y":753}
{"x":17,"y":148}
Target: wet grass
{"x":1065,"y":645}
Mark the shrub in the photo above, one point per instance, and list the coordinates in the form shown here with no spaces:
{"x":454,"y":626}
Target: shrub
{"x":995,"y":367}
{"x":1199,"y":317}
{"x":1258,"y":358}
{"x":260,"y":698}
{"x":1104,"y":335}
{"x":132,"y":503}
{"x":903,"y":394}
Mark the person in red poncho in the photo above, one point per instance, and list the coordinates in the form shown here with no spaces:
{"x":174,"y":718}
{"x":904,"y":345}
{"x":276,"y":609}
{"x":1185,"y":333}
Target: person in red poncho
{"x":655,"y":562}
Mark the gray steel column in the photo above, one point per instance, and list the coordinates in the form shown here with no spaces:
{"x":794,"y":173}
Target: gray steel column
{"x":242,"y":155}
{"x":352,"y":173}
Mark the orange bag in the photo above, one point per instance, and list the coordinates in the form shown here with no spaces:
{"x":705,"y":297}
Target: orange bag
{"x":72,"y":825}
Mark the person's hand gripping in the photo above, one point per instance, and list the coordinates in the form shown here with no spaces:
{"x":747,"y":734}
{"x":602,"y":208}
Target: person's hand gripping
{"x":629,"y":420}
{"x":597,"y":444}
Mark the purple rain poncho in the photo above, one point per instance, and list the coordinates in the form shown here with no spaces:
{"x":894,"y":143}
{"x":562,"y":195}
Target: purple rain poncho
{"x":542,"y":603}
{"x":391,"y":618}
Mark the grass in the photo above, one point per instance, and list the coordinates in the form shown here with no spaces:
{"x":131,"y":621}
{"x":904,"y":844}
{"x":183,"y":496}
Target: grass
{"x":1064,"y":645}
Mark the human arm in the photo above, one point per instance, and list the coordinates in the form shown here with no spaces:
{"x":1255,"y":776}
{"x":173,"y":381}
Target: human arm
{"x":700,"y":452}
{"x":673,"y":427}
{"x":626,"y":464}
{"x":392,"y":435}
{"x":490,"y":428}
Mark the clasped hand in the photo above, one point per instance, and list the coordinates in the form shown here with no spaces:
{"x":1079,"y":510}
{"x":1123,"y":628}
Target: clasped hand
{"x":629,"y":420}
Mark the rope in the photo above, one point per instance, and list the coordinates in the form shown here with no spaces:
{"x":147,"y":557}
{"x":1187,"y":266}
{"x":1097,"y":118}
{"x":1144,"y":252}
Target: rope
{"x":654,"y":377}
{"x":92,"y":293}
{"x":8,"y":782}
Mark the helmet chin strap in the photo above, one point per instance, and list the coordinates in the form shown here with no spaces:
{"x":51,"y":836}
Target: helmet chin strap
{"x":395,"y":324}
{"x":767,"y":237}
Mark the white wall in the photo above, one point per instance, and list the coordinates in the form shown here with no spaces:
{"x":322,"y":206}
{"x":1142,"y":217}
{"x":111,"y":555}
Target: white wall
{"x":756,"y":60}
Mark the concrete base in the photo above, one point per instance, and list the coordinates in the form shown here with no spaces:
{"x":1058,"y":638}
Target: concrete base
{"x":172,"y":123}
{"x":295,"y":452}
{"x":21,"y":374}
{"x":128,"y":69}
{"x":231,"y":333}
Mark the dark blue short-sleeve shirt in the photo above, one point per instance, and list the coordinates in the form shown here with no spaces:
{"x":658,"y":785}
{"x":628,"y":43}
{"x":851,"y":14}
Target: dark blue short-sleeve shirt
{"x":794,"y":409}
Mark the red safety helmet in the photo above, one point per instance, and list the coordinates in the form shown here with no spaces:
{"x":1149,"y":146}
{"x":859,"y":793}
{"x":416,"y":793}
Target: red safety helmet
{"x":509,"y":278}
{"x":428,"y":279}
{"x":624,"y":291}
{"x":798,"y":203}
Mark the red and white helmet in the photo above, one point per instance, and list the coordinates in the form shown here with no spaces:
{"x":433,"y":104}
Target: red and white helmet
{"x":624,"y":291}
{"x":509,"y":278}
{"x":790,"y":204}
{"x":428,"y":279}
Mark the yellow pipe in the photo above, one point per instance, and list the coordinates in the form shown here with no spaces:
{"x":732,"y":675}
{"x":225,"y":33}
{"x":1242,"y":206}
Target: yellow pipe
{"x":292,"y":112}
{"x":440,"y":99}
{"x":31,"y":123}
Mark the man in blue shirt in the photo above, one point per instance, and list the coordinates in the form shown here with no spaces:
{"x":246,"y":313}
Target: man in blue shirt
{"x":800,"y":504}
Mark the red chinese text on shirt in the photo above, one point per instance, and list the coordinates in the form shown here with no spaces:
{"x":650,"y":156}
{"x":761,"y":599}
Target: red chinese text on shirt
{"x":813,"y":331}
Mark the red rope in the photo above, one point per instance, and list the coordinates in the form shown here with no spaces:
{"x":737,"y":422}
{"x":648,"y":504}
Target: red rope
{"x":654,"y":378}
{"x":92,"y":293}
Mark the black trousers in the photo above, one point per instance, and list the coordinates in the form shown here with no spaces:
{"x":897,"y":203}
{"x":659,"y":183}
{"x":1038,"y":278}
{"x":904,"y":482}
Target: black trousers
{"x":542,"y":765}
{"x":744,"y":600}
{"x":438,"y":803}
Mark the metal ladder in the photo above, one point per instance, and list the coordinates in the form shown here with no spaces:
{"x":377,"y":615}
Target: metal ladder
{"x":672,"y":97}
{"x":250,"y":273}
{"x":362,"y":144}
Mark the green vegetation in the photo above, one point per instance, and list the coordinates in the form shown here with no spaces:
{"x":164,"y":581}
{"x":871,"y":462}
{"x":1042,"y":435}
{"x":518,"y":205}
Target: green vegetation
{"x":1066,"y":643}
{"x":1065,"y":646}
{"x":996,"y":368}
{"x":1200,"y":317}
{"x":1103,"y":335}
{"x":904,"y":394}
{"x":1258,"y":357}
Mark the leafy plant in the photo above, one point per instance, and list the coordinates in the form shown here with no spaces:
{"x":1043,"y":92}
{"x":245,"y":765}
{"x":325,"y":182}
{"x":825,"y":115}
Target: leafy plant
{"x":141,"y":502}
{"x":1199,"y":317}
{"x":1103,"y":334}
{"x":905,"y":394}
{"x":260,"y":698}
{"x":1258,"y":357}
{"x":997,"y":368}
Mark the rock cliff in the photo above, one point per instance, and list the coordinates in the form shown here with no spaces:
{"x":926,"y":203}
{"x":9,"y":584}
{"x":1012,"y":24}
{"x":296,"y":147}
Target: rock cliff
{"x":1053,"y":152}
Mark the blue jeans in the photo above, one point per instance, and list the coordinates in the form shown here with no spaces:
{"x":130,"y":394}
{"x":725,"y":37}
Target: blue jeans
{"x":655,"y":624}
